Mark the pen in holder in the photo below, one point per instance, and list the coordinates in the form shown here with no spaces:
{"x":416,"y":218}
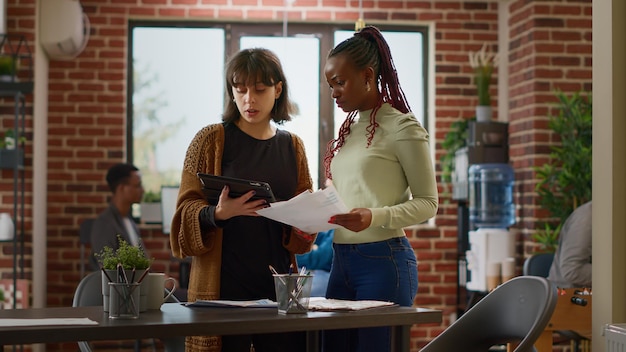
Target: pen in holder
{"x":293,"y":292}
{"x":123,"y":300}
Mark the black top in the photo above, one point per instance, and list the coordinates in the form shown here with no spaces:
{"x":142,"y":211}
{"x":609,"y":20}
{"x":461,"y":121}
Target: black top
{"x":251,"y":244}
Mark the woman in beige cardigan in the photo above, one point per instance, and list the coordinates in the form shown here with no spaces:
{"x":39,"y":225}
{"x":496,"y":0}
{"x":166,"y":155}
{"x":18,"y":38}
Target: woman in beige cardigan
{"x":230,"y":245}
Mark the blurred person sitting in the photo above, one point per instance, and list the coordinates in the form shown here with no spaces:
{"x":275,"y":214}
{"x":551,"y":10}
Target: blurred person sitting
{"x":318,"y":262}
{"x":124,"y":181}
{"x":571,"y":267}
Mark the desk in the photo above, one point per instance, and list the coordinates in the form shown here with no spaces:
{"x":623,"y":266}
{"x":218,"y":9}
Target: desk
{"x":175,"y":319}
{"x":567,"y":316}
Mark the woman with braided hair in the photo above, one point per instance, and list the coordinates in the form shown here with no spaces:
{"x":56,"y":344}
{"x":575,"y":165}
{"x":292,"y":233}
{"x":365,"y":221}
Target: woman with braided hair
{"x":380,"y":164}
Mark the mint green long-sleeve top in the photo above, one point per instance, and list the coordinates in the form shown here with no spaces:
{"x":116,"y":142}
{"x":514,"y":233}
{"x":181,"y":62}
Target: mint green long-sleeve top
{"x":393,"y":177}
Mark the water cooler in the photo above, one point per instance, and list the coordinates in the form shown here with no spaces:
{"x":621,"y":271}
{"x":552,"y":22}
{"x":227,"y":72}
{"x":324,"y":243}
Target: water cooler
{"x":483,"y":187}
{"x":491,"y":211}
{"x":489,"y":248}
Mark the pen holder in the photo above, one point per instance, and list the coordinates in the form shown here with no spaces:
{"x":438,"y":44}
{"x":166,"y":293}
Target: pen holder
{"x":112,"y":276}
{"x":292,"y":292}
{"x":124,"y":300}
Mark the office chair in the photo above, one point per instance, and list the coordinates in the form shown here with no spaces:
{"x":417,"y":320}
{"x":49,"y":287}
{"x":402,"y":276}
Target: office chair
{"x":538,"y":264}
{"x":89,"y":293}
{"x":84,"y":233}
{"x":515,"y":312}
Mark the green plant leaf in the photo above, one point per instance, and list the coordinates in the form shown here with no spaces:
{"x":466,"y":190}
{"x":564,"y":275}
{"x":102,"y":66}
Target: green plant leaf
{"x":455,"y":139}
{"x":564,"y":183}
{"x":131,"y":257}
{"x":548,"y":239}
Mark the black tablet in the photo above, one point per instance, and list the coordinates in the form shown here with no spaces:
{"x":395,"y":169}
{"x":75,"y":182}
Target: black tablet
{"x":212,"y":186}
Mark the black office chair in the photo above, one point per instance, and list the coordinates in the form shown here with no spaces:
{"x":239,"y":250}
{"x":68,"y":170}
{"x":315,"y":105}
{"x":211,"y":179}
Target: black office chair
{"x":515,"y":312}
{"x":538,"y":264}
{"x":84,"y":233}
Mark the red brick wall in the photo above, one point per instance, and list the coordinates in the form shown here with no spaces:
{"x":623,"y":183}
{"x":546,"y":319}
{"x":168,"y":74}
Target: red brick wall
{"x":549,"y":51}
{"x":549,"y":48}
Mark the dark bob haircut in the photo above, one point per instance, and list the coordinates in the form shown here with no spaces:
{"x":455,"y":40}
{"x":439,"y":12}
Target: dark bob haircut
{"x":250,"y":66}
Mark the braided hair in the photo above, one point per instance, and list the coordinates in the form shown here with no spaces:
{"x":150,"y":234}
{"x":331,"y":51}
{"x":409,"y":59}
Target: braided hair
{"x":368,"y":48}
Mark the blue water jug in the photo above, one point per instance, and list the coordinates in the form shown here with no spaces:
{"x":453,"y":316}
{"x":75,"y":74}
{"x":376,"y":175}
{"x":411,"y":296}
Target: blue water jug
{"x":491,"y":195}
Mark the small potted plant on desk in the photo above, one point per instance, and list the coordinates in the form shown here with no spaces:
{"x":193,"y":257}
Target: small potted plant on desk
{"x":135,"y":265}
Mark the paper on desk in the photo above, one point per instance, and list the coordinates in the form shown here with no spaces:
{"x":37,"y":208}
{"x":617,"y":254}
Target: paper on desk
{"x":258,"y":303}
{"x":47,"y":321}
{"x":331,"y":305}
{"x":308,"y":211}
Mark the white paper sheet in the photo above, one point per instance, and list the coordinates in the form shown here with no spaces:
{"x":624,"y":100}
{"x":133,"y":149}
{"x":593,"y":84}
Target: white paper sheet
{"x":259,"y":303}
{"x":308,"y":211}
{"x":330,"y":305}
{"x":315,"y":303}
{"x":47,"y":321}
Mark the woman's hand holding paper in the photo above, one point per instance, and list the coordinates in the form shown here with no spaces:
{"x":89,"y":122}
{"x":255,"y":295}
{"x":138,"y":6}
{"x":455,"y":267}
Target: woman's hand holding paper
{"x":358,"y":219}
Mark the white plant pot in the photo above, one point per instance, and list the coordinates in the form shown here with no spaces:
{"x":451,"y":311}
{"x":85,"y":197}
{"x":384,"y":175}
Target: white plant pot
{"x":150,"y":213}
{"x":7,"y":227}
{"x":483,"y":113}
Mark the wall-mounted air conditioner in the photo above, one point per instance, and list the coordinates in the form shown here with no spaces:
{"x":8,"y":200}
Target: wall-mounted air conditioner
{"x":64,"y":28}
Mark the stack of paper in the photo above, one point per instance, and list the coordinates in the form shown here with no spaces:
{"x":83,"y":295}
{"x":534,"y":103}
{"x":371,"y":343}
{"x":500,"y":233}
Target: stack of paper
{"x":325,"y":304}
{"x":258,"y":303}
{"x":308,"y":211}
{"x":46,"y":322}
{"x":315,"y":303}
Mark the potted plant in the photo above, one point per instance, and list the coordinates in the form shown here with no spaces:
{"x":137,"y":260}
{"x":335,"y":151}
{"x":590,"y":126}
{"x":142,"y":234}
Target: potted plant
{"x":10,"y":155}
{"x":8,"y":68}
{"x":127,"y":263}
{"x":150,"y":208}
{"x":483,"y":62}
{"x":565,"y":182}
{"x":455,"y":139}
{"x":548,"y":239}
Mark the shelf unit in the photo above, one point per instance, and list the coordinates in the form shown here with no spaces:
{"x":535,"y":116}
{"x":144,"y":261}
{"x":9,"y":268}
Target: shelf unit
{"x":16,"y":87}
{"x":480,"y":149}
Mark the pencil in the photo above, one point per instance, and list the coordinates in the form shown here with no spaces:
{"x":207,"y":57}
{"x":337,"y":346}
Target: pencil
{"x":105,"y":273}
{"x":143,"y":275}
{"x":277,"y":275}
{"x":108,"y":278}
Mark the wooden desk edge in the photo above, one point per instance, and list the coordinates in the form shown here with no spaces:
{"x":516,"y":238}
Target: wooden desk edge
{"x":180,"y":322}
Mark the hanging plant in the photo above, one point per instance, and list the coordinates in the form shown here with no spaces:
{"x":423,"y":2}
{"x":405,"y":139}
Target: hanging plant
{"x":455,"y":139}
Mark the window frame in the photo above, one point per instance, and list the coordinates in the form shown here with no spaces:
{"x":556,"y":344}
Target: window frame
{"x":324,"y":31}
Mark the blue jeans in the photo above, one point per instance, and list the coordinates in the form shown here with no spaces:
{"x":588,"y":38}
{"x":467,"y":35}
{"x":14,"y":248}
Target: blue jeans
{"x":384,"y":271}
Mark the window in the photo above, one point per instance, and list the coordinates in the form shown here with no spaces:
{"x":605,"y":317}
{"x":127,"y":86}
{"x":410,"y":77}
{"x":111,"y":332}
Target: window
{"x":176,"y":77}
